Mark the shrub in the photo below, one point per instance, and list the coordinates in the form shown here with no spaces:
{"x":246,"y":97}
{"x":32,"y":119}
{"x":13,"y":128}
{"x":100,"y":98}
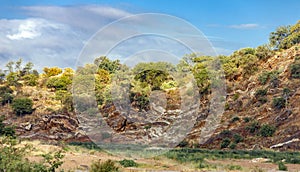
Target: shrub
{"x":236,"y":96}
{"x":225,"y":143}
{"x":278,"y":103}
{"x":263,"y":78}
{"x":31,"y":79}
{"x":225,"y":133}
{"x":281,"y":166}
{"x":234,"y":167}
{"x":263,"y":52}
{"x":267,"y":130}
{"x":59,"y":83}
{"x":286,"y":92}
{"x":246,"y":119}
{"x":262,"y":100}
{"x":295,"y":70}
{"x":22,"y":106}
{"x":6,"y":130}
{"x":232,"y":145}
{"x":107,"y":166}
{"x":13,"y":158}
{"x":128,"y":163}
{"x":6,"y":98}
{"x":237,"y":138}
{"x":5,"y":89}
{"x":253,"y":127}
{"x":266,"y":76}
{"x":261,"y":92}
{"x":234,"y":119}
{"x":183,"y":143}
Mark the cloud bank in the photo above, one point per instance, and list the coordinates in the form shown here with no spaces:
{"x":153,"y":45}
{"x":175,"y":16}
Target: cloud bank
{"x":55,"y":35}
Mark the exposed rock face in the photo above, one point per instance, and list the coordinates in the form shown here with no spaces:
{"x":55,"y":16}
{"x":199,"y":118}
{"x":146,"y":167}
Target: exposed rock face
{"x":51,"y":127}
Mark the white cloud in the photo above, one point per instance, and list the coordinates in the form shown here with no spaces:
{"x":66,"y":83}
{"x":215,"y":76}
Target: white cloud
{"x":245,"y":26}
{"x":88,"y":18}
{"x":40,"y":41}
{"x":52,"y":35}
{"x":26,"y":30}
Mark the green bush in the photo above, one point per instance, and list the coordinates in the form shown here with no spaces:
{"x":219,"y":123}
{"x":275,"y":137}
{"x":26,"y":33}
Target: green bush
{"x":267,"y":130}
{"x":263,"y":52}
{"x":253,"y":127}
{"x":234,"y":167}
{"x":262,"y":100}
{"x":5,"y":89}
{"x":225,"y":143}
{"x":234,"y":119}
{"x":31,"y":79}
{"x":247,"y":119}
{"x":264,"y":77}
{"x":6,"y":98}
{"x":128,"y":163}
{"x":13,"y":158}
{"x":59,"y":83}
{"x":237,"y":138}
{"x":282,"y":167}
{"x":225,"y":133}
{"x":232,"y":145}
{"x":107,"y":166}
{"x":261,"y":92}
{"x":286,"y":92}
{"x":295,"y":70}
{"x":22,"y":106}
{"x":6,"y":130}
{"x":278,"y":103}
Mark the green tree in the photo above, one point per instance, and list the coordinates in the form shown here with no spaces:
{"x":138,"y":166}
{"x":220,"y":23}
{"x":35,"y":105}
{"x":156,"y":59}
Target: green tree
{"x":66,"y":99}
{"x":22,"y":106}
{"x":13,"y":79}
{"x":27,"y":69}
{"x":6,"y":98}
{"x":109,"y":65}
{"x":277,"y":38}
{"x":30,"y":79}
{"x":267,"y":130}
{"x":59,"y":83}
{"x":2,"y":76}
{"x":263,"y":52}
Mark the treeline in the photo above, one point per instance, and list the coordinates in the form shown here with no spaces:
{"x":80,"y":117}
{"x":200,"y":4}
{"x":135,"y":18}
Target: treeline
{"x":145,"y":77}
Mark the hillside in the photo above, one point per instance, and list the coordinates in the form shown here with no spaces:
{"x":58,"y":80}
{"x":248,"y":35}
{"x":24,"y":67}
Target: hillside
{"x":261,"y":104}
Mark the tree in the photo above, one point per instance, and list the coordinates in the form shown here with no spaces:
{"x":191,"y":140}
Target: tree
{"x":65,"y":98}
{"x":22,"y":106}
{"x":53,"y":71}
{"x":109,"y":65}
{"x":59,"y":83}
{"x":267,"y":130}
{"x":6,"y":98}
{"x":263,"y":52}
{"x":27,"y":69}
{"x":13,"y":79}
{"x":277,"y":38}
{"x":154,"y":78}
{"x":2,"y":76}
{"x":30,"y":79}
{"x":9,"y":65}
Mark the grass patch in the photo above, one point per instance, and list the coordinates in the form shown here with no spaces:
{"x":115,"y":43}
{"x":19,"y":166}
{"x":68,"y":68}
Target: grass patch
{"x":197,"y":155}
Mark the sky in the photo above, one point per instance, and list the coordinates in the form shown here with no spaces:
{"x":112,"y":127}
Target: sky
{"x":54,"y":33}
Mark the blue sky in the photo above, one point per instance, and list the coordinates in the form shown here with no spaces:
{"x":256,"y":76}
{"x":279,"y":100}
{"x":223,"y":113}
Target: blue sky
{"x":46,"y":32}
